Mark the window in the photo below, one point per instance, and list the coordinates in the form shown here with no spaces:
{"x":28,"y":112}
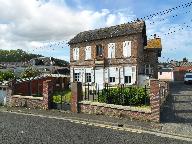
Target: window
{"x":148,"y":69}
{"x":111,"y":79}
{"x":111,"y":50}
{"x":75,"y":53}
{"x":77,"y":77}
{"x":99,"y":51}
{"x":87,"y":77}
{"x":88,"y":52}
{"x":127,"y":79}
{"x":127,"y":48}
{"x":160,"y":73}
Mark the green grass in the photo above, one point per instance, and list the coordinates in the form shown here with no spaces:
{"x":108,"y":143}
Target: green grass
{"x":64,"y":95}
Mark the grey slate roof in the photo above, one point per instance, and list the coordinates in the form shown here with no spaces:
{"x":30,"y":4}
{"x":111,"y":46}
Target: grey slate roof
{"x":108,"y":32}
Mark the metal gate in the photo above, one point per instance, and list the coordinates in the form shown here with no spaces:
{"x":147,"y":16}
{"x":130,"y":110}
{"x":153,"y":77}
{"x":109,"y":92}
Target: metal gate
{"x":61,"y":101}
{"x":3,"y":94}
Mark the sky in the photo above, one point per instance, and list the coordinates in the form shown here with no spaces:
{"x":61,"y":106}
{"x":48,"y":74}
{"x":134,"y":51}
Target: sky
{"x":45,"y":26}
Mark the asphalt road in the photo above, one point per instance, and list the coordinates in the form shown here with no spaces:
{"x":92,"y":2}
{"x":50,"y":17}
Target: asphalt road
{"x":22,"y":129}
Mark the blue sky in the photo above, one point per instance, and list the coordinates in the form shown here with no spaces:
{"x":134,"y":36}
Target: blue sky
{"x":44,"y":26}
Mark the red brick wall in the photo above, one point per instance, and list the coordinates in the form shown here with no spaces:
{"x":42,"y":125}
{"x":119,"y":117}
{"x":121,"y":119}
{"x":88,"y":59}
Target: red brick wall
{"x":34,"y":102}
{"x":22,"y":88}
{"x":153,"y":115}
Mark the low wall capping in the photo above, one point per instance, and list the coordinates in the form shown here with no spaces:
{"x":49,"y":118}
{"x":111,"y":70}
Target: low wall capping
{"x":118,"y":107}
{"x":27,"y":97}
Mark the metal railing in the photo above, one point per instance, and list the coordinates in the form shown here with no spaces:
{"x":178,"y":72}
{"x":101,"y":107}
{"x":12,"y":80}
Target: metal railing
{"x":119,"y":95}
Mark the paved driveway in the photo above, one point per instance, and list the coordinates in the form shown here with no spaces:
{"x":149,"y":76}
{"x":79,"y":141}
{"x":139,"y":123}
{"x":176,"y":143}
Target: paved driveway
{"x":178,"y":108}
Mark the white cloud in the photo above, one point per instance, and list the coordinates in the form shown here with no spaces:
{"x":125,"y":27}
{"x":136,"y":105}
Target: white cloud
{"x":177,"y":43}
{"x":29,"y":24}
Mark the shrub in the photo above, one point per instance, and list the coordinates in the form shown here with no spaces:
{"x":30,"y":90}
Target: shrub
{"x":124,"y":96}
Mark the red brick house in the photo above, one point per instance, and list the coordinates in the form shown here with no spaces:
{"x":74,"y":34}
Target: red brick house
{"x":114,"y":55}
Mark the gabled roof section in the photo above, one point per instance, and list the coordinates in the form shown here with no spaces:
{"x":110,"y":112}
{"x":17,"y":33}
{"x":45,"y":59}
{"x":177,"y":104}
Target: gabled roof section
{"x":109,"y":32}
{"x":154,"y":44}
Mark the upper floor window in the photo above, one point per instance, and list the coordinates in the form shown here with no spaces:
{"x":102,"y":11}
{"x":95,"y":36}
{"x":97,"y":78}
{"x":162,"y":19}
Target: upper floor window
{"x":75,"y":53}
{"x":111,"y":50}
{"x":127,"y":48}
{"x":87,"y":52}
{"x":99,"y":51}
{"x":148,"y":69}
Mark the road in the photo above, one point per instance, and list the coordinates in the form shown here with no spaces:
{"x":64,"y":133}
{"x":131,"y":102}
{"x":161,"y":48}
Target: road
{"x":25,"y":129}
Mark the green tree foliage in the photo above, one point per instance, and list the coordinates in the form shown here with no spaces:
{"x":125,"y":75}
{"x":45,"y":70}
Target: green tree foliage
{"x":21,"y":56}
{"x":16,"y":56}
{"x":5,"y":76}
{"x":30,"y":73}
{"x":61,"y":63}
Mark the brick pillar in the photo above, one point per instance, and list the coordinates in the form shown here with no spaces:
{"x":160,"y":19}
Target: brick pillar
{"x":155,"y":100}
{"x":8,"y":97}
{"x":76,"y":88}
{"x":47,"y":92}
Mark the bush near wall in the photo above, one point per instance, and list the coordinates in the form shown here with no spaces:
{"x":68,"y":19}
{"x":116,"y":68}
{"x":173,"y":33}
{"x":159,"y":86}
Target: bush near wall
{"x":125,"y":96}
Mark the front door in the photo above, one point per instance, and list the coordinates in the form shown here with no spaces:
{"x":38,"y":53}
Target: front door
{"x":99,"y":79}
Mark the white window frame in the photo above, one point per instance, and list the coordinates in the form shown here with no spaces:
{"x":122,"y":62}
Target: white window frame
{"x":127,"y":48}
{"x":88,"y":78}
{"x":113,"y":79}
{"x":149,"y":69}
{"x":75,"y":54}
{"x":77,"y":78}
{"x":87,"y":52}
{"x":111,"y":50}
{"x":129,"y":80}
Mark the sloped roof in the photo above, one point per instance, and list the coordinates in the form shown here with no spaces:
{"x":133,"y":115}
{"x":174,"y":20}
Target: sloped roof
{"x":154,"y":43}
{"x":109,"y":32}
{"x":184,"y":64}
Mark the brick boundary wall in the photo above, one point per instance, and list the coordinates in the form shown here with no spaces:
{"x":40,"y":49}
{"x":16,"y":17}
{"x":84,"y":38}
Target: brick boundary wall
{"x":152,"y":115}
{"x":34,"y":102}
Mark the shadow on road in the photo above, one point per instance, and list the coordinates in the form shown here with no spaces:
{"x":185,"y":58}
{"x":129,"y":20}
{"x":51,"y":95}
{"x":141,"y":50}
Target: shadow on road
{"x":178,"y":107}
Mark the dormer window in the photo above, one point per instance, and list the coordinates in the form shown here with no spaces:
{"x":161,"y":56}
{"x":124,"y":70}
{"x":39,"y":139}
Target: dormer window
{"x":99,"y":50}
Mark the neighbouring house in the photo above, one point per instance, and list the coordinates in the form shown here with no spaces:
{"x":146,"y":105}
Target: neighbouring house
{"x":115,"y":55}
{"x":180,"y":68}
{"x":166,"y":74}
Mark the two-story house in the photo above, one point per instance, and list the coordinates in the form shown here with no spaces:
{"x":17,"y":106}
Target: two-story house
{"x":114,"y":55}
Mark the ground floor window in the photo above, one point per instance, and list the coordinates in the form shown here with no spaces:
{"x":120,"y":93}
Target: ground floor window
{"x":87,"y":77}
{"x":111,"y":79}
{"x":127,"y":79}
{"x":76,"y":76}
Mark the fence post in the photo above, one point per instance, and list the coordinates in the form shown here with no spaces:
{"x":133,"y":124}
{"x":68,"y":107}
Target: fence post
{"x":76,"y":88}
{"x":155,"y":100}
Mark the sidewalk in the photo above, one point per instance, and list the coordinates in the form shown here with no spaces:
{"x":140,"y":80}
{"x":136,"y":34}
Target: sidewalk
{"x":184,"y":130}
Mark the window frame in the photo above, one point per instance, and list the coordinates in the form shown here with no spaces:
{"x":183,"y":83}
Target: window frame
{"x":112,"y":78}
{"x":99,"y":50}
{"x":87,"y":77}
{"x":76,"y":77}
{"x":129,"y":79}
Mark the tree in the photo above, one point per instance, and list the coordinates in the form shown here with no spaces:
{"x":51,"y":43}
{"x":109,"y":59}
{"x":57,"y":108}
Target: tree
{"x":6,"y":76}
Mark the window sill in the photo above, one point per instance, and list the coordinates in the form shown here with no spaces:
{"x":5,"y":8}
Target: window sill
{"x":88,"y":60}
